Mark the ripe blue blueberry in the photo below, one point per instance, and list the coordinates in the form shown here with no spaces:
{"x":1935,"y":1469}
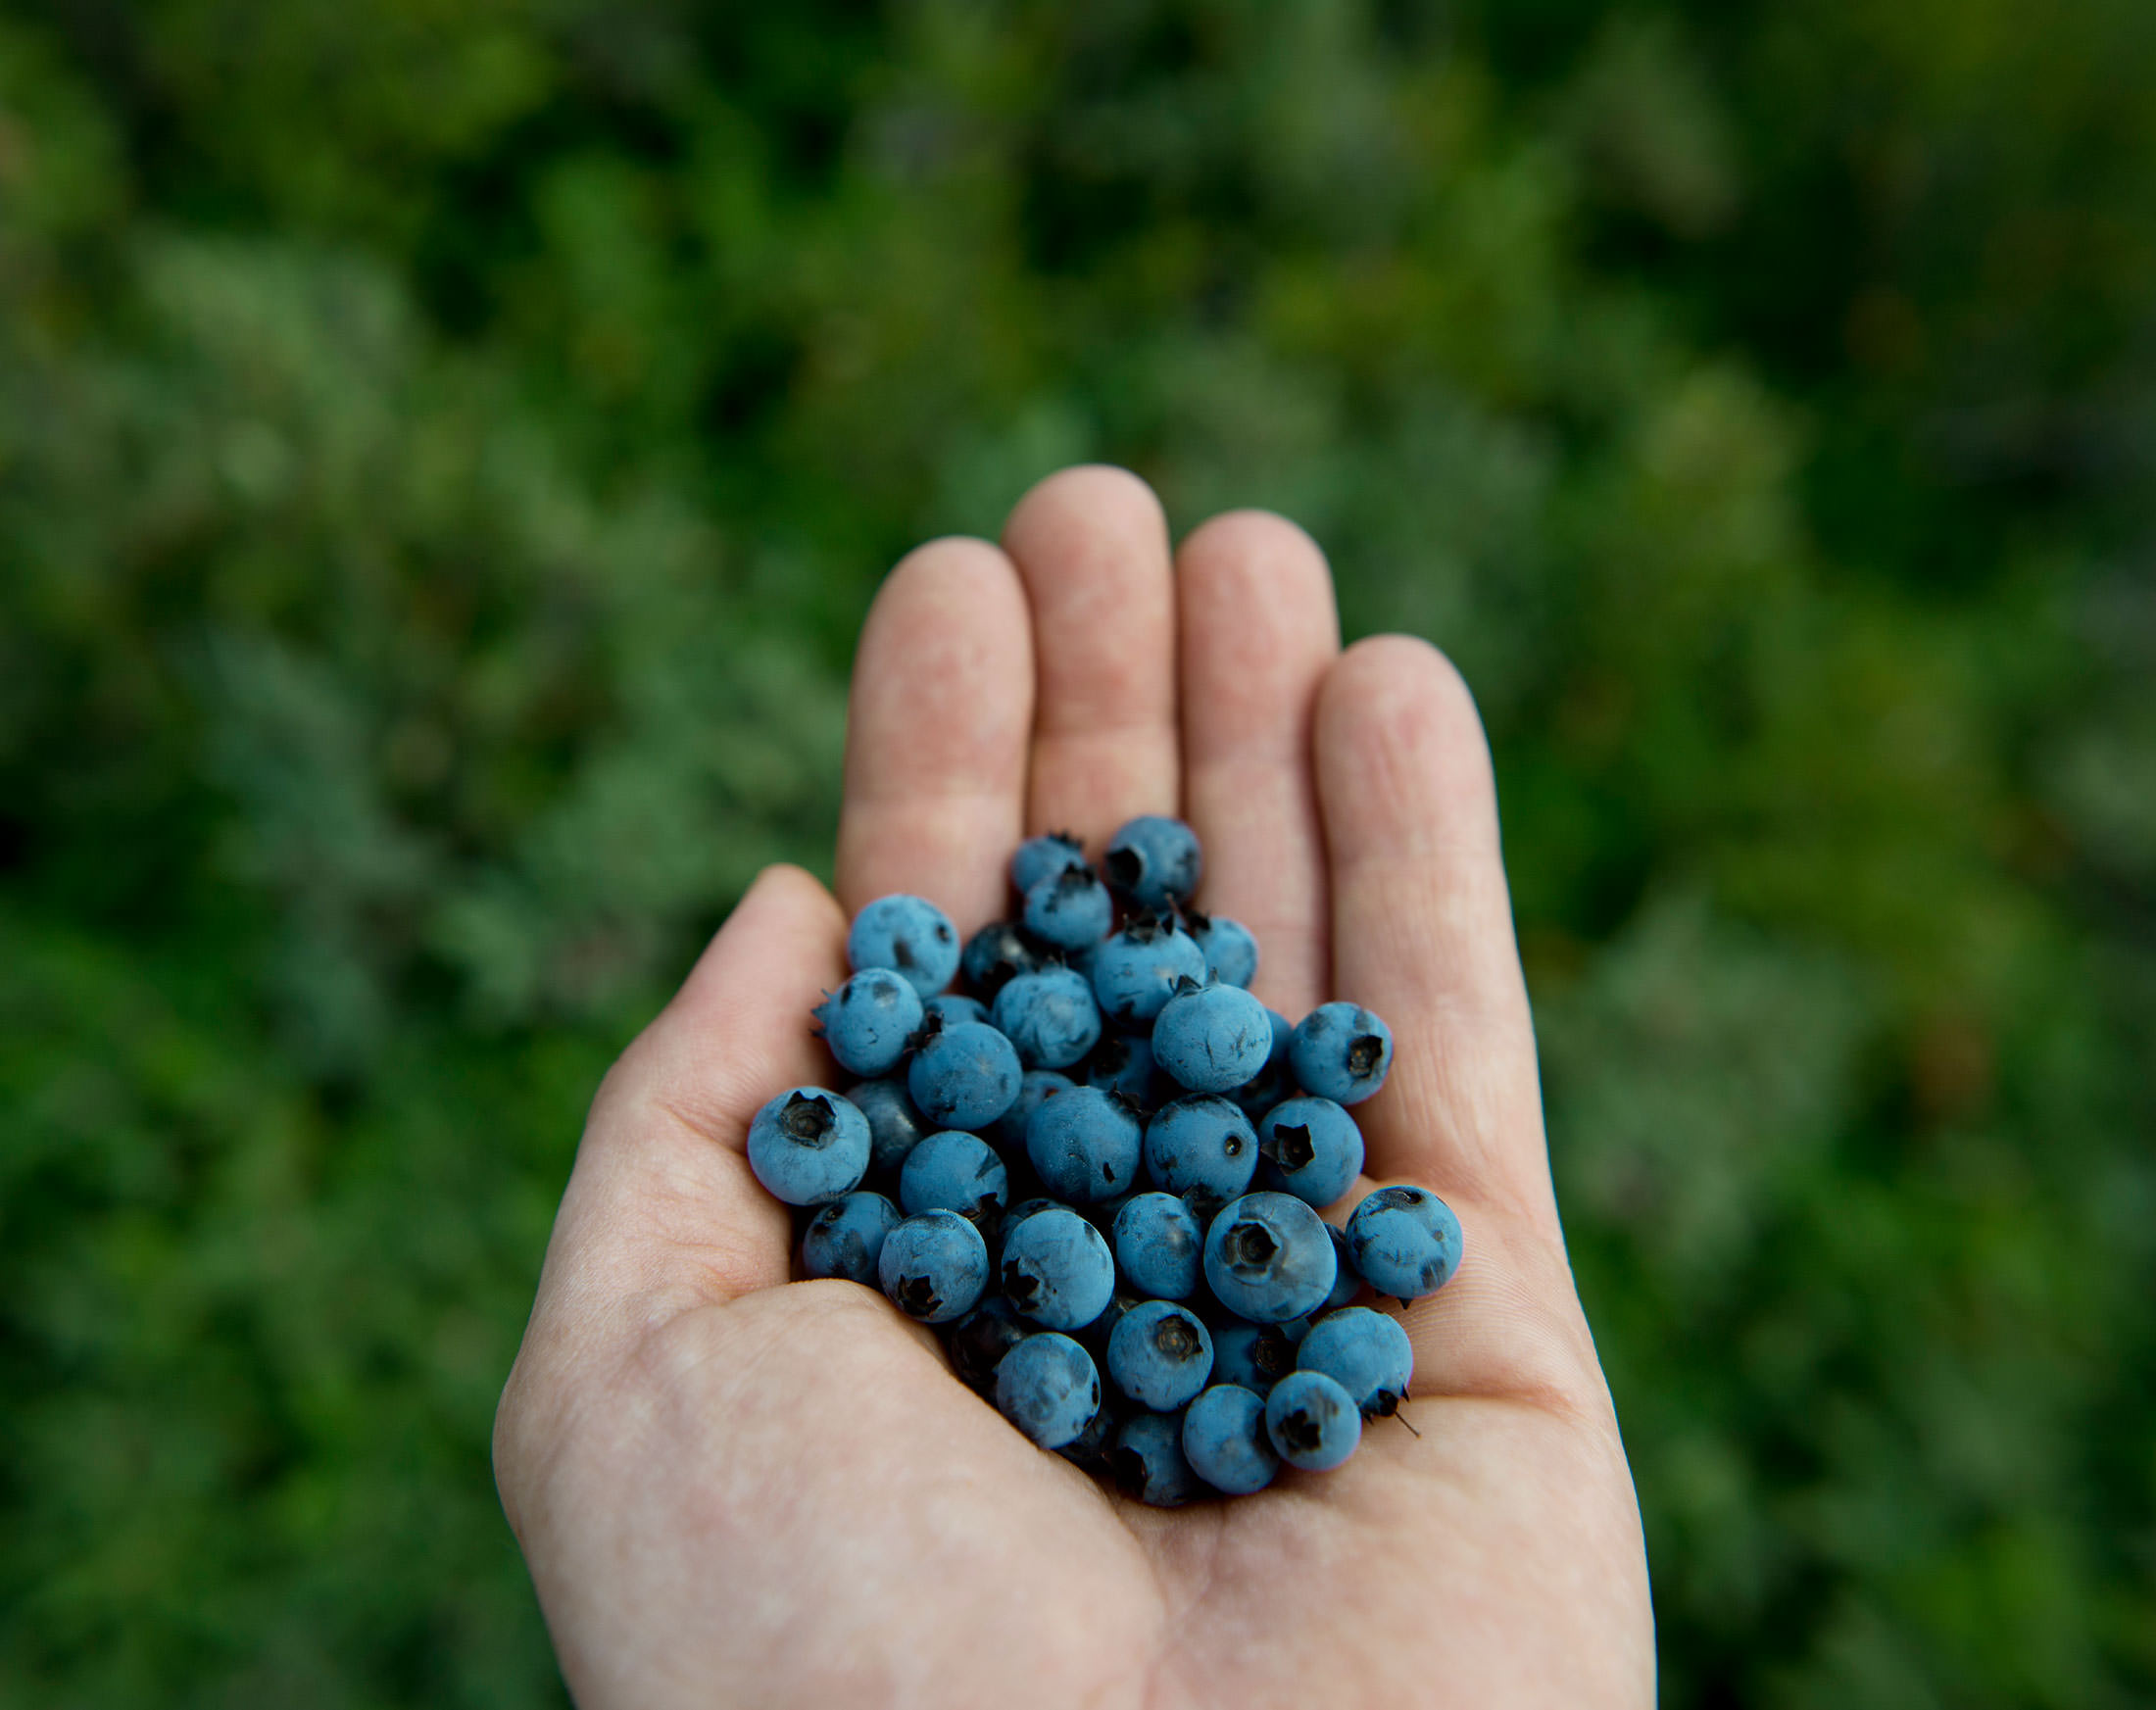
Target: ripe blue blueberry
{"x":1147,"y":1461}
{"x":955,"y":1171}
{"x":1136,"y":971}
{"x":934,"y":1266}
{"x":1341,"y":1051}
{"x":1366,"y":1354}
{"x":1048,"y":1388}
{"x":1309,"y":1148}
{"x":1268,"y":1259}
{"x":1212,"y":1038}
{"x":1275,"y":1081}
{"x":1154,"y":861}
{"x":1050,"y":1016}
{"x":1312,"y":1421}
{"x":1405,"y":1241}
{"x":1161,"y":1355}
{"x":1225,"y":1442}
{"x":1346,"y":1283}
{"x":868,"y":1021}
{"x":996,"y":955}
{"x":1057,"y":1270}
{"x":1122,"y":1063}
{"x":1202,"y":1148}
{"x":949,"y":1008}
{"x":910,"y":936}
{"x":894,"y":1125}
{"x":1084,"y":1143}
{"x":1042,"y":858}
{"x":1158,"y":1244}
{"x":978,"y":1341}
{"x":807,"y":1145}
{"x":1229,"y":946}
{"x":1010,"y":1127}
{"x":845,"y":1237}
{"x":1072,"y":910}
{"x":965,"y":1076}
{"x":1253,"y":1356}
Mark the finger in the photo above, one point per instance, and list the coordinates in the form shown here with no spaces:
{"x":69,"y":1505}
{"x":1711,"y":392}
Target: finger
{"x":936,"y":734}
{"x":1092,"y":544}
{"x":1258,"y":630}
{"x":1422,"y":926}
{"x":662,"y":1212}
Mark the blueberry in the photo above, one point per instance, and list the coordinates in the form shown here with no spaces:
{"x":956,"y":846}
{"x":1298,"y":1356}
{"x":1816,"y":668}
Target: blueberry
{"x":953,"y":1171}
{"x":1268,"y":1259}
{"x":1147,"y":1461}
{"x":978,"y":1341}
{"x":1090,"y":1448}
{"x":845,"y":1236}
{"x":1161,"y":1355}
{"x":1137,"y":970}
{"x":1312,"y":1421}
{"x":1057,"y":1270}
{"x":1050,"y":1016}
{"x":1212,"y":1038}
{"x":1071,"y":911}
{"x":949,"y":1008}
{"x":1275,"y":1081}
{"x":934,"y":1266}
{"x":1154,"y":861}
{"x":1036,"y":1085}
{"x":1048,"y":1388}
{"x":996,"y":955}
{"x":1201,"y":1146}
{"x":1230,"y":948}
{"x":1085,"y":1144}
{"x":1341,"y":1051}
{"x":1225,"y":1442}
{"x":1122,"y":1063}
{"x":807,"y":1145}
{"x":965,"y":1076}
{"x":1042,"y":858}
{"x":1405,"y":1241}
{"x":895,"y":1127}
{"x":1158,"y":1245}
{"x":1346,"y":1283}
{"x":1255,"y":1356}
{"x":908,"y":935}
{"x":868,"y":1021}
{"x":1366,"y":1354}
{"x":1309,"y":1148}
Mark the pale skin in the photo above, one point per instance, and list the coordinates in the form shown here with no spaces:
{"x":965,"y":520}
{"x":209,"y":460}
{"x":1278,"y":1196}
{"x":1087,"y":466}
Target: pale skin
{"x":736,"y":1490}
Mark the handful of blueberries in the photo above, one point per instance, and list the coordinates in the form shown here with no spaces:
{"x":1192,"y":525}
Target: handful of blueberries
{"x":1110,"y":1155}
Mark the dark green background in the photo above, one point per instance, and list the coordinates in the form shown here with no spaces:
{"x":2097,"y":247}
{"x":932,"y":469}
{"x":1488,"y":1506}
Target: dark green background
{"x":446,"y":447}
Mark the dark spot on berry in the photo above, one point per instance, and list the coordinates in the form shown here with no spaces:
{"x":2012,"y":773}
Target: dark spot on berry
{"x":1249,"y":1246}
{"x":883,"y":992}
{"x":852,"y":1255}
{"x":1289,"y":1147}
{"x":1020,"y":1286}
{"x":1394,"y":1199}
{"x":918,"y":1295}
{"x":1127,"y":1467}
{"x":1300,"y":1432}
{"x":943,"y":932}
{"x":1364,"y":1053}
{"x":1272,"y":1353}
{"x":1433,"y":1274}
{"x":902,"y":953}
{"x":1124,"y":869}
{"x":806,"y":1119}
{"x":1232,"y":1147}
{"x":1108,"y":1172}
{"x":1176,"y":1338}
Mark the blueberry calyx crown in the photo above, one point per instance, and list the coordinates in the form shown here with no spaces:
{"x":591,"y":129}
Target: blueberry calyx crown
{"x":1394,"y":1199}
{"x":807,"y":1119}
{"x":1364,"y":1053}
{"x":917,"y":1294}
{"x":1289,"y":1146}
{"x":1300,"y":1432}
{"x":1249,"y":1246}
{"x":1124,"y":869}
{"x":1173,"y":1337}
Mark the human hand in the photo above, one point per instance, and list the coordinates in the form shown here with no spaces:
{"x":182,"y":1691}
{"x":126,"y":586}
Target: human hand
{"x":736,"y":1490}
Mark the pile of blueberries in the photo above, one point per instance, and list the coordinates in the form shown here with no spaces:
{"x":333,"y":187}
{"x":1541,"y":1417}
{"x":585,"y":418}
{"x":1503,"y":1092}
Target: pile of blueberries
{"x":1110,"y":1155}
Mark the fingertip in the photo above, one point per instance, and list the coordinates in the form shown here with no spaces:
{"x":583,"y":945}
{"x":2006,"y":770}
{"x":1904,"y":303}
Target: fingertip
{"x":1082,"y":500}
{"x":1403,"y":756}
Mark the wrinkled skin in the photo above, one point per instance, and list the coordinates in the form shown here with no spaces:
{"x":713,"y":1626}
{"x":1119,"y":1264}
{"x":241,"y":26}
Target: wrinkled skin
{"x":736,"y":1490}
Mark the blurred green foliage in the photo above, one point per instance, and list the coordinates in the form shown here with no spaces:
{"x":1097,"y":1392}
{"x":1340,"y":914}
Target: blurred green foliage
{"x":446,"y":450}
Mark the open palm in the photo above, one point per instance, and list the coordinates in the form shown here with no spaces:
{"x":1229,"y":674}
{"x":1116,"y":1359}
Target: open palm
{"x":733,"y":1490}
